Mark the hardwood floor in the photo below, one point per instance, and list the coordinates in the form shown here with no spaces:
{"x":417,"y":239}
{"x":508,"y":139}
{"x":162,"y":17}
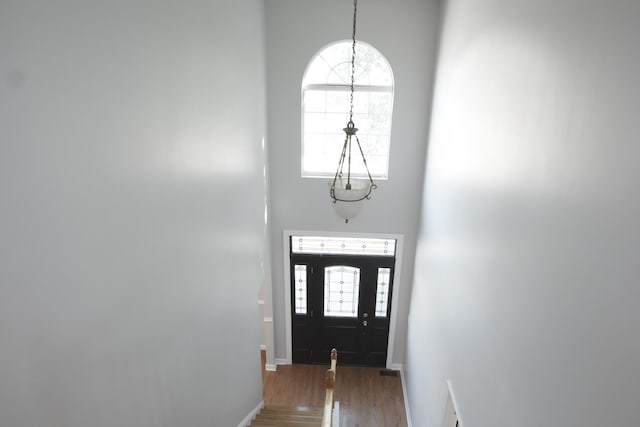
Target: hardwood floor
{"x":367,"y":399}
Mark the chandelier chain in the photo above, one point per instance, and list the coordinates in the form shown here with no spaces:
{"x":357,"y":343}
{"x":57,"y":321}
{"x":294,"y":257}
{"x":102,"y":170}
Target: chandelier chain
{"x":353,"y":57}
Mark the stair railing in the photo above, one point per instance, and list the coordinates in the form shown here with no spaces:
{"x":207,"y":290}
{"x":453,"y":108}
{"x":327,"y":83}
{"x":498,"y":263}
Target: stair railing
{"x":330,"y":382}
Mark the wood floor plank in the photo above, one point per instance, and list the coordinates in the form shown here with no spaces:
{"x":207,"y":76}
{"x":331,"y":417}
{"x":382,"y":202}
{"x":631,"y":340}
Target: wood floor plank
{"x":367,"y":399}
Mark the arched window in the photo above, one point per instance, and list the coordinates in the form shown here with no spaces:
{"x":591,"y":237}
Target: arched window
{"x":325,"y":109}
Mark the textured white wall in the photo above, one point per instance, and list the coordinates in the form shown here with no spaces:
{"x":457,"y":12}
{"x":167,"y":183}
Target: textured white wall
{"x":404,"y":31}
{"x":526,"y":284}
{"x":132,"y":200}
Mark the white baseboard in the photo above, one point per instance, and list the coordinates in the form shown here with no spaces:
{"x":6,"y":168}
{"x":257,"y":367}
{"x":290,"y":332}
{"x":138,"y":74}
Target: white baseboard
{"x":269,"y":367}
{"x":396,"y":366}
{"x":281,"y":362}
{"x":245,"y":422}
{"x":407,"y":410}
{"x":263,"y":346}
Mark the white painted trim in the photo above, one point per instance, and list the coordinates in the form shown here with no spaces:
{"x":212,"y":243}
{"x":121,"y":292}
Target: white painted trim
{"x":395,"y":367}
{"x":245,"y":422}
{"x":397,"y":278}
{"x":335,"y":416}
{"x":260,"y":302}
{"x":287,"y":298}
{"x":407,"y":410}
{"x":268,"y":319}
{"x":449,"y":418}
{"x":268,"y":338}
{"x":393,"y":320}
{"x":282,"y":362}
{"x":270,"y":368}
{"x":454,"y":403}
{"x":263,"y":347}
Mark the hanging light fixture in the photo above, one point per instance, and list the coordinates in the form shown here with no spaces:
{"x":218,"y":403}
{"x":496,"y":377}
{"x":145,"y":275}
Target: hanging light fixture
{"x":348,"y":193}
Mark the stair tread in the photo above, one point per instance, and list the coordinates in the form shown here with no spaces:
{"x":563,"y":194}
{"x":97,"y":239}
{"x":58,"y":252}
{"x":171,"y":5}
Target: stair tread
{"x":279,"y":423}
{"x":284,"y":423}
{"x":280,"y":416}
{"x":290,"y":416}
{"x":296,"y":414}
{"x":293,"y":408}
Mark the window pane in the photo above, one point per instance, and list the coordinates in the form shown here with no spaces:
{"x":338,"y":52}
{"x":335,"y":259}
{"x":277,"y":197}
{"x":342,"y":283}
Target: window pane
{"x":338,"y":102}
{"x":314,"y":123}
{"x":382,"y":292}
{"x":301,"y":288}
{"x":341,"y":72}
{"x":341,"y":291}
{"x":318,"y":155}
{"x":314,"y":101}
{"x":326,"y":114}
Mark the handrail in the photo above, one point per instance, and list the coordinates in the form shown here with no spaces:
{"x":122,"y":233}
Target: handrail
{"x":330,"y":382}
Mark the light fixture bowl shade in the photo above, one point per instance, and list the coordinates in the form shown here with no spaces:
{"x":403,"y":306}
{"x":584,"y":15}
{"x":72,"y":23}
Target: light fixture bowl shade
{"x":358,"y":191}
{"x":349,"y":202}
{"x":347,"y":210}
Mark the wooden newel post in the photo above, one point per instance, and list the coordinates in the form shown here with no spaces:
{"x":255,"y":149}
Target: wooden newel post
{"x":330,"y":379}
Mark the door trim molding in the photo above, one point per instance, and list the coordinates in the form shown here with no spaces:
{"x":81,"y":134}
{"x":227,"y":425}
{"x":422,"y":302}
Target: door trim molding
{"x":397,"y":280}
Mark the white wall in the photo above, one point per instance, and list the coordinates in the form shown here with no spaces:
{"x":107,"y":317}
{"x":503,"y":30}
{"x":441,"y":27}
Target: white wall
{"x":132,"y":212}
{"x":526,"y":285}
{"x":404,"y":31}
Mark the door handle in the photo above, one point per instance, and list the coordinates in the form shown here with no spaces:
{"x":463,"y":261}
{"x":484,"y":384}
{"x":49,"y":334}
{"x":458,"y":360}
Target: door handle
{"x":365,"y":323}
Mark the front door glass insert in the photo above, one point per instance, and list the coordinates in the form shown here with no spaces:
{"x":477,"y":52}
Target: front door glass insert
{"x":341,"y":291}
{"x":301,"y":288}
{"x":382,"y":291}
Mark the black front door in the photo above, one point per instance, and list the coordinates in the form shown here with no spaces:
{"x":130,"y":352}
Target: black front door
{"x":342,"y":302}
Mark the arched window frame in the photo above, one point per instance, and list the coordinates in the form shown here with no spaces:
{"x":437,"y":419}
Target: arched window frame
{"x":322,"y":147}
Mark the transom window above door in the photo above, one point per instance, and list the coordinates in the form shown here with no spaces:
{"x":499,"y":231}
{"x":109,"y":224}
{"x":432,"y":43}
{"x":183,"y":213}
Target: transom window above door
{"x":325,"y":109}
{"x":342,"y":245}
